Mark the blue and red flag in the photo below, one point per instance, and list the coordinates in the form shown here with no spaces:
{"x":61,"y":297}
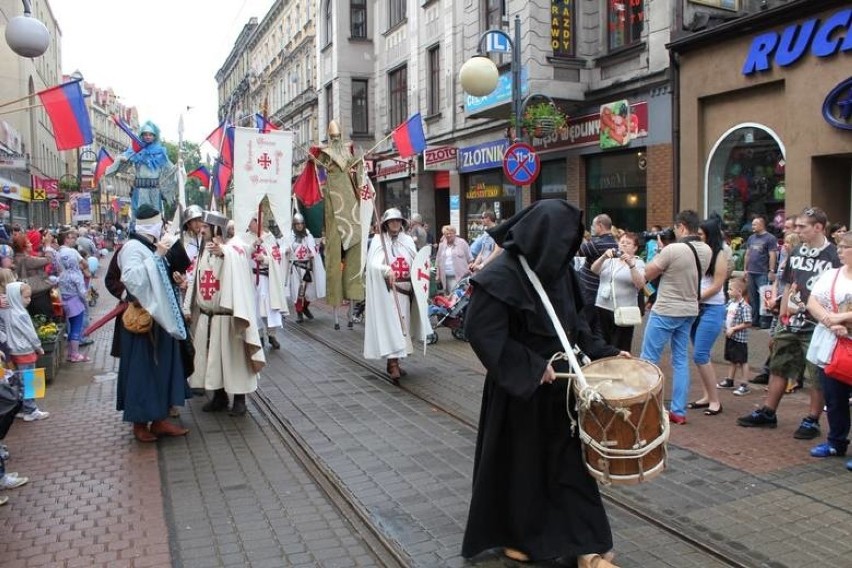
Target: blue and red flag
{"x":135,"y":142}
{"x":202,"y":174}
{"x":221,"y":177}
{"x":223,"y":140}
{"x":104,"y":161}
{"x":68,"y":115}
{"x":263,"y":124}
{"x":409,"y":137}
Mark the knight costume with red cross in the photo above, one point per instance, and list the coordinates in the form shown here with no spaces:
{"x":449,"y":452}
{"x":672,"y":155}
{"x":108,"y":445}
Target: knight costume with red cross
{"x":394,"y":316}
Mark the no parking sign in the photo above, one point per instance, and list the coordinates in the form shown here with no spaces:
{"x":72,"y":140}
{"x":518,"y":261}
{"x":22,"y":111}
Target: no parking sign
{"x":521,"y":164}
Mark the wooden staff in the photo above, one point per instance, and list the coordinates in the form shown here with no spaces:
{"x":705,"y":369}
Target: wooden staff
{"x":20,"y":109}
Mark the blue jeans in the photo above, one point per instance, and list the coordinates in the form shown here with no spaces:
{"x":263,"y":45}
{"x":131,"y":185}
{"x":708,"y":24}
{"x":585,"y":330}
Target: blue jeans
{"x":705,"y":332}
{"x":755,"y":281}
{"x":837,"y":410}
{"x":29,"y":403}
{"x":659,"y":331}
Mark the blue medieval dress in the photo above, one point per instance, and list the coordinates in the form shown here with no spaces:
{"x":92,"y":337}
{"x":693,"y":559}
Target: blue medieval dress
{"x":155,"y":179}
{"x":151,"y":376}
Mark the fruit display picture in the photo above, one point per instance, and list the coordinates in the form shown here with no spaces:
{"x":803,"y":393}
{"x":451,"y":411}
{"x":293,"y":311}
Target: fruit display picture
{"x":618,"y":125}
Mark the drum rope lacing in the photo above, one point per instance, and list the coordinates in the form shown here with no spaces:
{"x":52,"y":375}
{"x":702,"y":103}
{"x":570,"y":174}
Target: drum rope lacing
{"x":586,"y":394}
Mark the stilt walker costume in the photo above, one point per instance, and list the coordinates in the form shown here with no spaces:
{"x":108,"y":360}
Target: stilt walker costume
{"x":394,"y":318}
{"x":228,"y":353}
{"x":307,"y":274}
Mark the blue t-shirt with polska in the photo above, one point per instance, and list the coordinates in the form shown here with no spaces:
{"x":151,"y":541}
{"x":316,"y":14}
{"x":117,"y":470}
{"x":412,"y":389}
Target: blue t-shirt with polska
{"x":804,"y":268}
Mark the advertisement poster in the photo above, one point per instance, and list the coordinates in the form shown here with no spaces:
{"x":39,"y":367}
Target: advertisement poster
{"x":618,"y":125}
{"x":81,"y":207}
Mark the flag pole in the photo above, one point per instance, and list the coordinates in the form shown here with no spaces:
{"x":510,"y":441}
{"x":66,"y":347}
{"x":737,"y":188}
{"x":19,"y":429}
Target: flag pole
{"x":20,"y":109}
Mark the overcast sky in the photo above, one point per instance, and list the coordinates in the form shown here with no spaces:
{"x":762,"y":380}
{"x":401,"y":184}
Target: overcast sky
{"x":157,"y":55}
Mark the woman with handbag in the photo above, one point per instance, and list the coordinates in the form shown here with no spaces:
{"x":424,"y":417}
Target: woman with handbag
{"x":32,"y":270}
{"x":622,"y":275}
{"x":711,"y":317}
{"x":830,"y":303}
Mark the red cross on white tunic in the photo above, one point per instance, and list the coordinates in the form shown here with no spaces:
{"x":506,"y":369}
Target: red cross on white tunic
{"x":208,"y":285}
{"x":276,"y":254}
{"x":301,"y":253}
{"x":401,"y":269}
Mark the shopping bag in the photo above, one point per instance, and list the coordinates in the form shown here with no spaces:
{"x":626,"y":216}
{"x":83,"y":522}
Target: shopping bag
{"x":33,"y":381}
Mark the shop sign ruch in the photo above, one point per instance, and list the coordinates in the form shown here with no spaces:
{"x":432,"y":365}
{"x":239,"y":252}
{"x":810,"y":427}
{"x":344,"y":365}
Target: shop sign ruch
{"x":837,"y":108}
{"x":13,"y":162}
{"x":487,"y":156}
{"x":387,"y":170}
{"x":440,"y":158}
{"x":585,"y":130}
{"x":823,"y":37}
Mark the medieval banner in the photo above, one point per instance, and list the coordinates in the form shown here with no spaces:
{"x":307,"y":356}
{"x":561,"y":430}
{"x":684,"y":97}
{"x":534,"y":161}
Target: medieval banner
{"x":263,"y":167}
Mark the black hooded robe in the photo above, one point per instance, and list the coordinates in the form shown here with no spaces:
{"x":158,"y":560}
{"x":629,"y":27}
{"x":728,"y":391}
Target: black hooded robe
{"x":531,"y":489}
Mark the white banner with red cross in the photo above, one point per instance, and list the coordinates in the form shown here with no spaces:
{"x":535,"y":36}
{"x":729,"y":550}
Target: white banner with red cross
{"x":263,"y":167}
{"x":420,"y":274}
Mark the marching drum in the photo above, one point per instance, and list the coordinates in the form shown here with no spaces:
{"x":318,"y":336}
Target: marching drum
{"x":624,"y":435}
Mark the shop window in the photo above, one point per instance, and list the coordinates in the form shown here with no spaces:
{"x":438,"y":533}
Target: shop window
{"x":552,"y":182}
{"x":625,"y":20}
{"x":397,"y":193}
{"x":616,"y":185}
{"x":745,"y":176}
{"x":486,"y":190}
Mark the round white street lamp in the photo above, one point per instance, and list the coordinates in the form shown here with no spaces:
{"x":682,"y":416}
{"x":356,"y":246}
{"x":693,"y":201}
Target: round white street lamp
{"x":26,"y":35}
{"x":478,"y":76}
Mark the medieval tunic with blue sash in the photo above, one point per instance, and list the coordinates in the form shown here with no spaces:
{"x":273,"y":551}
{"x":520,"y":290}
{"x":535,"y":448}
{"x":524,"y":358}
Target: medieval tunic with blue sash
{"x":150,"y":372}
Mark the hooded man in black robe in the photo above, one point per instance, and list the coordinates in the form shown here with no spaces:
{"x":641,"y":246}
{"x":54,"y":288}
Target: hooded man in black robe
{"x":532,"y":494}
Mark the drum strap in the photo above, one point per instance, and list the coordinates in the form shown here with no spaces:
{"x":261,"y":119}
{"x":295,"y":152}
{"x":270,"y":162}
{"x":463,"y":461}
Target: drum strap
{"x":586,"y":395}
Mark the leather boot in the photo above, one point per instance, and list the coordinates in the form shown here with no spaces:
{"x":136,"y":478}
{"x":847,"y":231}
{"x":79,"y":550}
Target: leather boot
{"x":166,"y":428}
{"x":141,"y":433}
{"x":307,"y":312}
{"x":239,"y":406}
{"x":299,"y":317}
{"x":273,"y":341}
{"x":217,"y":403}
{"x":393,"y":370}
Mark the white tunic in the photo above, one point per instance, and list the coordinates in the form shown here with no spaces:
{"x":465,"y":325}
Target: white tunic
{"x":383,"y":331}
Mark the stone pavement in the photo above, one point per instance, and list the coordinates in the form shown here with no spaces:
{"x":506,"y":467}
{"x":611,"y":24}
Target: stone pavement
{"x":232,"y":493}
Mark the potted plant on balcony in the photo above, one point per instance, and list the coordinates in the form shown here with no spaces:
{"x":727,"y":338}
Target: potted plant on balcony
{"x":541,"y":119}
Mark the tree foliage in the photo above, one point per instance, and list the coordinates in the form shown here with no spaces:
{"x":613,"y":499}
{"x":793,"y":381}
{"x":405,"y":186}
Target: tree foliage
{"x":195,"y":194}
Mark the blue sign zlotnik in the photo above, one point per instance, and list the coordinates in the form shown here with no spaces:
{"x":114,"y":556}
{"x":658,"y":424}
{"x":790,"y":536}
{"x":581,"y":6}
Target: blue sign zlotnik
{"x":501,"y":94}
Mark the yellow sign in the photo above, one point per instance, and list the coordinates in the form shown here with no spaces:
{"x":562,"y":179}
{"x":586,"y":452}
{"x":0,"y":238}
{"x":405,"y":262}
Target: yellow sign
{"x":39,"y":195}
{"x":482,"y":191}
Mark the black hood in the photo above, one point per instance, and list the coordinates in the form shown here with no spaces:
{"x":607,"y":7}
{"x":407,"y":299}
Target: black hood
{"x":548,"y":234}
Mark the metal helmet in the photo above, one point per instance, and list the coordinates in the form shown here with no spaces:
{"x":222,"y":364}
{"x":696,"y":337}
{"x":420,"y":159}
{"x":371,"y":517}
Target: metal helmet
{"x":190,"y":213}
{"x":394,"y":214}
{"x":298,"y":218}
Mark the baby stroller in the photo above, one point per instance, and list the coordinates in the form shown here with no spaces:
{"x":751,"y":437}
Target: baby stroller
{"x":448,"y":311}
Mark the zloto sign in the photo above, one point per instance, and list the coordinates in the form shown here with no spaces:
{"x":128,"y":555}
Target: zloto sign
{"x":440,"y":158}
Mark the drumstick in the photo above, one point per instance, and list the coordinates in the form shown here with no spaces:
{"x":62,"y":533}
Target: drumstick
{"x":592,"y":377}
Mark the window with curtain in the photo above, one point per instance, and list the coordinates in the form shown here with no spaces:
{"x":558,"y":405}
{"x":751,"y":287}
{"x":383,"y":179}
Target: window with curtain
{"x":329,"y":102}
{"x":360,"y":108}
{"x":396,"y":12}
{"x":625,"y":20}
{"x":398,"y":96}
{"x":328,"y":21}
{"x":434,"y":55}
{"x":358,"y":18}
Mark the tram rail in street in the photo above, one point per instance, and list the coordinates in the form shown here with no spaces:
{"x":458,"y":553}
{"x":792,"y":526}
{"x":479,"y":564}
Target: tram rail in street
{"x":714,"y":554}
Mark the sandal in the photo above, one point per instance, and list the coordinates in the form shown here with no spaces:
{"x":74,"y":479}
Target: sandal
{"x":516,"y":555}
{"x":711,"y":412}
{"x":78,"y":358}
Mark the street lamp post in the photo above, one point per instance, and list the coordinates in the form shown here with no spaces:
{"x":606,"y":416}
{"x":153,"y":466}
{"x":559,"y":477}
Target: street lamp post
{"x":26,"y":35}
{"x":479,"y":75}
{"x":80,"y":157}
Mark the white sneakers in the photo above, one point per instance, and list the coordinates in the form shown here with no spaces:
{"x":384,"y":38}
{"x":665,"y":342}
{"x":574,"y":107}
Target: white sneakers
{"x":11,"y":481}
{"x":35,"y":415}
